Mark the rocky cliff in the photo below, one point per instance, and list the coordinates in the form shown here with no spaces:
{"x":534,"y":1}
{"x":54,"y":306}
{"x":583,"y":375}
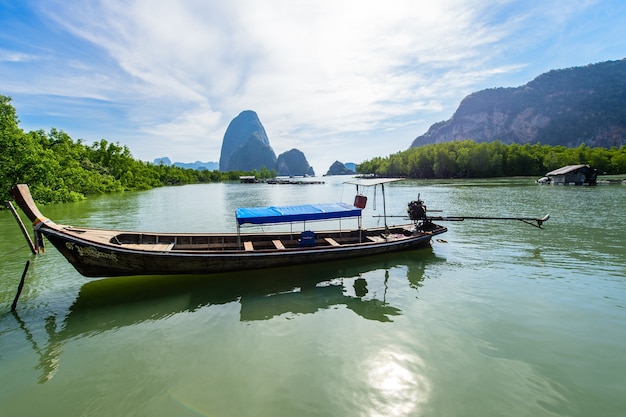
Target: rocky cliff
{"x":561,"y":107}
{"x":293,"y":162}
{"x":245,"y":146}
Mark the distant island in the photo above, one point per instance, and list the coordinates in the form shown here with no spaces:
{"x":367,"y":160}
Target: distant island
{"x":198,"y":165}
{"x":337,"y":168}
{"x":293,"y":163}
{"x":246,"y":147}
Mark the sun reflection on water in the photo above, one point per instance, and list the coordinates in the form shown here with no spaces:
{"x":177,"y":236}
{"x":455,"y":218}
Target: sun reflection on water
{"x":397,"y":382}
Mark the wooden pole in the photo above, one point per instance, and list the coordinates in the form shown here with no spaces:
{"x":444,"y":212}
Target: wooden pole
{"x":527,"y":220}
{"x":384,"y":208}
{"x":22,"y":227}
{"x":20,"y":287}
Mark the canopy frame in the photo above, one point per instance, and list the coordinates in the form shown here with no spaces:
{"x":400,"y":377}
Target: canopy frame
{"x":373,"y":182}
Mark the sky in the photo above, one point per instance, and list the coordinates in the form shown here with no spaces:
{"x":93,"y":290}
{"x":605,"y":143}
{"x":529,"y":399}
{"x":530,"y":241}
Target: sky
{"x":340,"y":80}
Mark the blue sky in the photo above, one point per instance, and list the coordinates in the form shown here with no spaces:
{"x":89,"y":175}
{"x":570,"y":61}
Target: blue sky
{"x":338,"y":79}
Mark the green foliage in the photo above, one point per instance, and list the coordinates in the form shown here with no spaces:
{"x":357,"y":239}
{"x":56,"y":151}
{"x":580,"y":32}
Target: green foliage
{"x":59,"y":169}
{"x":468,"y":159}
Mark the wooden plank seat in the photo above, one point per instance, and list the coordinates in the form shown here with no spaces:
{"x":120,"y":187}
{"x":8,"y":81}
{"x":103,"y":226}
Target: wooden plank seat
{"x":332,"y":241}
{"x":161,"y":247}
{"x":278,"y":244}
{"x":248,"y":246}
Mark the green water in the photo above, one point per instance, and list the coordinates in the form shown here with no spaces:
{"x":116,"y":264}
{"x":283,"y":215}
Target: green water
{"x":496,"y":319}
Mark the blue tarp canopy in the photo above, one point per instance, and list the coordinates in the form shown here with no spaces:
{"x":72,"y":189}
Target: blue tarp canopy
{"x":285,"y":214}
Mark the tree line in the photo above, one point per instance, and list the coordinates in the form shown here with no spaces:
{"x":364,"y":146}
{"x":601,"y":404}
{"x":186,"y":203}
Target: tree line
{"x":60,"y":169}
{"x":468,"y":159}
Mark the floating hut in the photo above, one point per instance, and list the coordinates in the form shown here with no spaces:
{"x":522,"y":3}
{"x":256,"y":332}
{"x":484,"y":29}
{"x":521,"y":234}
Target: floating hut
{"x":571,"y":174}
{"x":247,"y":179}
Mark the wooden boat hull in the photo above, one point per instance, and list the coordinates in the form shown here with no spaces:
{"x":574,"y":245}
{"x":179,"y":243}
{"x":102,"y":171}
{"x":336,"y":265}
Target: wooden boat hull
{"x":98,"y":260}
{"x":108,"y":253}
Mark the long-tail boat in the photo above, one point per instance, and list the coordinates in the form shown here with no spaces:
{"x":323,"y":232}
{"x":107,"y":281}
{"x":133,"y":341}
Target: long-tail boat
{"x":108,"y":253}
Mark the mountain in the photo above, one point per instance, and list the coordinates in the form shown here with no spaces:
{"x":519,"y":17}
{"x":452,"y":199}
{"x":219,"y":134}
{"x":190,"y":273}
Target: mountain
{"x":246,"y":146}
{"x":162,"y":161}
{"x":561,"y":107}
{"x":337,"y":168}
{"x":293,"y":162}
{"x":198,"y":165}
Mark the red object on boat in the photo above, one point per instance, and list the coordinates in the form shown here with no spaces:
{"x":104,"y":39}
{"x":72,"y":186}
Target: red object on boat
{"x":360,"y":201}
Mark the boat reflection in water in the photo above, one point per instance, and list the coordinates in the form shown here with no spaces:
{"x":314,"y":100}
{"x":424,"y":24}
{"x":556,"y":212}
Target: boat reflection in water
{"x":110,"y":304}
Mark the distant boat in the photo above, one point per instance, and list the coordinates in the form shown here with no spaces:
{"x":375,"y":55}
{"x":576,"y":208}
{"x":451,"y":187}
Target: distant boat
{"x":107,"y":253}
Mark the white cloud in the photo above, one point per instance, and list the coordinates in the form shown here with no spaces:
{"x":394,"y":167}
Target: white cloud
{"x":11,"y":56}
{"x":339,"y":72}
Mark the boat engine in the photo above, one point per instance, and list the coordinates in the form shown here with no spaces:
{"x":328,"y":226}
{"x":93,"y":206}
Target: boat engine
{"x":417,"y":210}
